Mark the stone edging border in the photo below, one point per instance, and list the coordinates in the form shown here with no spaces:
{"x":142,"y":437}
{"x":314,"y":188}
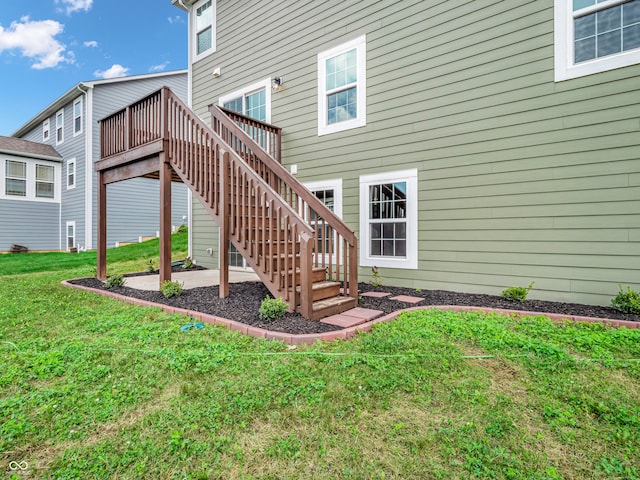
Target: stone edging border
{"x":309,"y":338}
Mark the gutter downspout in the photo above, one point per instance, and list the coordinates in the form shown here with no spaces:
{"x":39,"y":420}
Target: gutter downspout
{"x":87,"y":90}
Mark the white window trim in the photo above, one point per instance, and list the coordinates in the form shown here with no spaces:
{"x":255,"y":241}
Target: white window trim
{"x":336,"y":186}
{"x":30,"y":180}
{"x":46,"y":130}
{"x":68,"y":224}
{"x":72,"y":161}
{"x":411,"y":260}
{"x":77,"y":101}
{"x":266,"y":84}
{"x":194,"y":34}
{"x":565,"y":69}
{"x":59,"y":112}
{"x":361,"y":119}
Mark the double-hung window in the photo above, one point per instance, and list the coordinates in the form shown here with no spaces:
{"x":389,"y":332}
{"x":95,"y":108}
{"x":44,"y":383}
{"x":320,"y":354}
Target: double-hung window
{"x":71,"y":173}
{"x":342,"y":87}
{"x":45,"y":181}
{"x":253,"y":101}
{"x":203,"y":24}
{"x":77,"y":117}
{"x":46,"y":130}
{"x":389,"y":219}
{"x":60,"y":127}
{"x":16,"y":178}
{"x":593,"y":36}
{"x":328,"y":192}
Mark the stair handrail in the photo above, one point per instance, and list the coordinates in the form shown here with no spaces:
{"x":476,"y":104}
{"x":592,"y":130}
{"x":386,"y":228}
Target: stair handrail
{"x":314,"y":202}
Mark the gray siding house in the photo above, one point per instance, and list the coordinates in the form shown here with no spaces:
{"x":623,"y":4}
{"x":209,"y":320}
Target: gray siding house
{"x":70,"y":125}
{"x":29,"y":195}
{"x":472,"y":145}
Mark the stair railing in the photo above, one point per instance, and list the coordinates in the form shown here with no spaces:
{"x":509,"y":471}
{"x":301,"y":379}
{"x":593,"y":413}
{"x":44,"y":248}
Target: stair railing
{"x":334,"y":243}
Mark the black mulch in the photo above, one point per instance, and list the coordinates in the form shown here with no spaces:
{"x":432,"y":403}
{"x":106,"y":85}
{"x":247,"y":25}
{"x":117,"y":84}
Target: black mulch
{"x":244,"y":300}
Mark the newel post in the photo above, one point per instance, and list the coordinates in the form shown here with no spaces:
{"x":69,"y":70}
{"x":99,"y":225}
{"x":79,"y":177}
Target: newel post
{"x":224,"y":224}
{"x":306,"y":265}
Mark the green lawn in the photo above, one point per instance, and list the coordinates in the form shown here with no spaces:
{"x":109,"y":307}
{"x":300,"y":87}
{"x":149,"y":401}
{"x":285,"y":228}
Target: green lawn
{"x":94,"y":388}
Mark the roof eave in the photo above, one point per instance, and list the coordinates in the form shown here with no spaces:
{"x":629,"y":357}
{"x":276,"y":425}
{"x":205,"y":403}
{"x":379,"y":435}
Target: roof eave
{"x":31,"y":155}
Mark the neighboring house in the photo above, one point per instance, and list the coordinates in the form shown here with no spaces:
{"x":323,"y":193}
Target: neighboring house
{"x":29,"y":195}
{"x":472,"y":146}
{"x":70,"y":124}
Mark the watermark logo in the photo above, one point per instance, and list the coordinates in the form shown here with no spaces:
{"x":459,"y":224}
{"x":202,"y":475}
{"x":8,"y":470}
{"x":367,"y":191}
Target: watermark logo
{"x":18,"y":466}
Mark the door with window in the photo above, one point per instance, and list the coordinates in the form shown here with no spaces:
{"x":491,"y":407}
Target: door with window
{"x":253,"y":102}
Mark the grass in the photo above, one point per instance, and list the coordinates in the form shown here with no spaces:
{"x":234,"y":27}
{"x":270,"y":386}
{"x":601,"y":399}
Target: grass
{"x":94,"y":388}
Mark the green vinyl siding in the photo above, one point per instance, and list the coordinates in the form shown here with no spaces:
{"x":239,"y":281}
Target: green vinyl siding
{"x":520,"y":178}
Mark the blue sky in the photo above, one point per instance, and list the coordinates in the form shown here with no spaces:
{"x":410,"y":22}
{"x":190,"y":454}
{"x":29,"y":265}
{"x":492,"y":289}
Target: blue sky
{"x":47,"y":46}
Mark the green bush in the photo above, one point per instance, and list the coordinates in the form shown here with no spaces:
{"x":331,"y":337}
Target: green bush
{"x":116,"y":280}
{"x":518,"y":294}
{"x":182,"y":229}
{"x":171,"y":289}
{"x":627,"y":302}
{"x":272,"y":309}
{"x":187,"y":263}
{"x":151,"y":267}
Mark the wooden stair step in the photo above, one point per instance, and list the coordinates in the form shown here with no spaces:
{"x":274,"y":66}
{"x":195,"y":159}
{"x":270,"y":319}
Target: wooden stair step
{"x":332,"y":306}
{"x":323,"y":289}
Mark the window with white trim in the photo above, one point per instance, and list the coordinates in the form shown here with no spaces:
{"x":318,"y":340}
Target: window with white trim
{"x":342,"y":87}
{"x":389,"y":219}
{"x":15,"y":178}
{"x":253,"y":101}
{"x":46,"y":130}
{"x":45,"y":181}
{"x":60,"y":127}
{"x":71,"y":173}
{"x":77,"y":117}
{"x":204,"y":31}
{"x":593,"y":36}
{"x":71,"y":234}
{"x":328,"y":192}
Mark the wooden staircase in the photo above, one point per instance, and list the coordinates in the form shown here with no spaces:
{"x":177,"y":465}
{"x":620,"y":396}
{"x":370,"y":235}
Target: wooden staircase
{"x":299,"y":248}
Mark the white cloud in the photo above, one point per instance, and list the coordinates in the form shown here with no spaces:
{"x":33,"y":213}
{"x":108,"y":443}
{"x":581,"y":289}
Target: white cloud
{"x":76,"y":5}
{"x":115,"y":71}
{"x":159,"y":68}
{"x":176,"y":19}
{"x":36,"y":40}
{"x":91,"y":43}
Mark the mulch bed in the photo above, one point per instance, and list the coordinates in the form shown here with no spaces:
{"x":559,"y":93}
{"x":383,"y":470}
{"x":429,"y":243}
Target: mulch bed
{"x":244,"y":300}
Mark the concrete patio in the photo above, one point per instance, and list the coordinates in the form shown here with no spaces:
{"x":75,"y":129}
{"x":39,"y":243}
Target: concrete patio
{"x":190,"y":279}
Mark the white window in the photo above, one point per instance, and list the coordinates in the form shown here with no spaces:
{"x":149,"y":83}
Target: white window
{"x":330,"y":193}
{"x":46,"y":130}
{"x":71,"y":173}
{"x":45,"y":181}
{"x":30,"y":180}
{"x":77,"y":117}
{"x":253,"y":101}
{"x":342,"y":87}
{"x":60,"y":127}
{"x":15,"y":178}
{"x":389,"y":219}
{"x":593,"y":36}
{"x":71,"y":234}
{"x":204,"y":31}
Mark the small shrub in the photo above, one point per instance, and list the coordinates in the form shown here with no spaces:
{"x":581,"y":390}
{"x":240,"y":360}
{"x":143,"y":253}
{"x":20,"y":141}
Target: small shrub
{"x":187,"y":263}
{"x":272,"y":309}
{"x":114,"y":281}
{"x":171,"y":289}
{"x":518,"y":294}
{"x":376,"y":279}
{"x":627,"y":302}
{"x":183,"y":229}
{"x":151,"y":267}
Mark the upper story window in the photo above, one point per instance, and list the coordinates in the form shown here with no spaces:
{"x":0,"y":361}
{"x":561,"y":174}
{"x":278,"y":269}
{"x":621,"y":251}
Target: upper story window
{"x":342,"y":87}
{"x":46,"y":130}
{"x":389,"y":219}
{"x":71,"y":173}
{"x":45,"y":180}
{"x":77,"y":117}
{"x":16,"y":178}
{"x":29,"y":180}
{"x":60,"y":127}
{"x":203,"y":24}
{"x":593,"y":36}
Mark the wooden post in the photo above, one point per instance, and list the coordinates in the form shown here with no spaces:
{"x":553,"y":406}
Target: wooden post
{"x":165,"y":219}
{"x":306,"y":265}
{"x":101,"y":251}
{"x":224,"y":225}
